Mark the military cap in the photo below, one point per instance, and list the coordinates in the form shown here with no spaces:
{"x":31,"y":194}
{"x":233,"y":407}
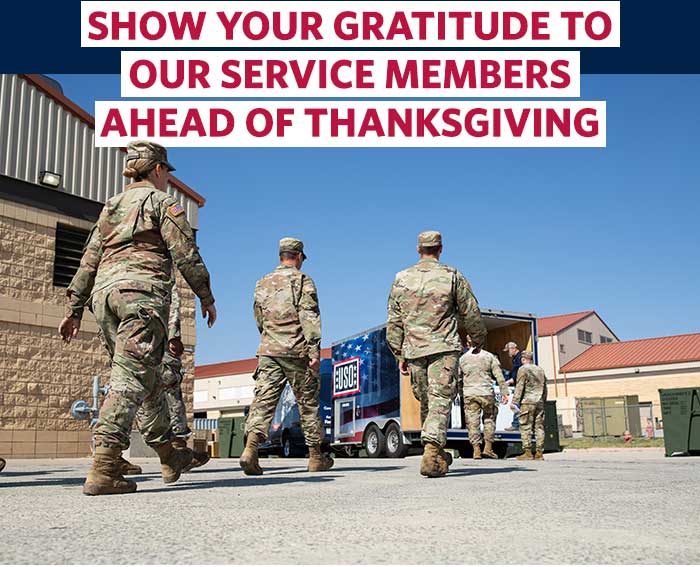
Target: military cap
{"x":509,"y":345}
{"x":292,"y":245}
{"x":527,"y":354}
{"x":430,"y":238}
{"x":144,"y":149}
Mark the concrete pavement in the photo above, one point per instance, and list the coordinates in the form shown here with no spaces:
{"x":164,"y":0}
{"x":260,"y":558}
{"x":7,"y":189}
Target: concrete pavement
{"x":626,"y":506}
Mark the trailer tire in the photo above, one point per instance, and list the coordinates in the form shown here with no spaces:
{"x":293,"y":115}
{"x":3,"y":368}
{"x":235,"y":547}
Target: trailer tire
{"x":395,"y":447}
{"x":501,"y":449}
{"x":374,"y":442}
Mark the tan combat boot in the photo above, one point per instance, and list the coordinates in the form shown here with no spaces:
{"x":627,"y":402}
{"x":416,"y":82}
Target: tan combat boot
{"x":433,"y":464}
{"x":249,"y":459}
{"x":105,"y":477}
{"x":477,"y":452}
{"x":526,"y":456}
{"x":172,"y":461}
{"x":447,"y":456}
{"x":539,"y":456}
{"x":488,"y":450}
{"x":198,"y":459}
{"x":127,"y":468}
{"x":318,"y":461}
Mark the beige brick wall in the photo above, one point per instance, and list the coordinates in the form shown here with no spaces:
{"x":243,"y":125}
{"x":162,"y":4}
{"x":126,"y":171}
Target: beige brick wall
{"x":40,"y":376}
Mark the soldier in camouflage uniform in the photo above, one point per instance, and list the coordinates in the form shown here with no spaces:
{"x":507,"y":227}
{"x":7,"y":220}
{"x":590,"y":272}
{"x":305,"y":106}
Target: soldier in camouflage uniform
{"x":477,"y":372}
{"x":289,"y":322}
{"x":529,"y":396}
{"x":430,"y":306}
{"x":125,"y":278}
{"x":169,"y":398}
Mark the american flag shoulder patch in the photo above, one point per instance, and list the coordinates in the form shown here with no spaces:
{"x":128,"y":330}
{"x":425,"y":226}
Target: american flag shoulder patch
{"x":176,"y":210}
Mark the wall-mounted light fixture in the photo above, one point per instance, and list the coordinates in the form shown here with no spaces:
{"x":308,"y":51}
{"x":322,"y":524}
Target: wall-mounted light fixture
{"x":50,"y":179}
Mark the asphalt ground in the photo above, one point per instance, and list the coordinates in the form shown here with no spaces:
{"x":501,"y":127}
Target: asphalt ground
{"x":587,"y":506}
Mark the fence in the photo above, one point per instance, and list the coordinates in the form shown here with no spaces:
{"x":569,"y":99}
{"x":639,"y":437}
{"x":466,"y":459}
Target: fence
{"x":601,"y":420}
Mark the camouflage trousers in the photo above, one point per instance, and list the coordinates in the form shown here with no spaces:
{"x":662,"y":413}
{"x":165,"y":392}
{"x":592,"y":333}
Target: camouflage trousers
{"x":532,"y":415}
{"x":271,"y":376}
{"x":131,"y":319}
{"x":475,"y":406}
{"x":167,"y":399}
{"x":434,"y":378}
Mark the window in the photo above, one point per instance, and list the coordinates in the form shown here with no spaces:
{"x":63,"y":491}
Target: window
{"x":70,"y":242}
{"x":604,"y":339}
{"x":585,"y":337}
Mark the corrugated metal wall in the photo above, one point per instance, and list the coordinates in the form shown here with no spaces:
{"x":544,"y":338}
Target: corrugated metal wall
{"x":37,"y":134}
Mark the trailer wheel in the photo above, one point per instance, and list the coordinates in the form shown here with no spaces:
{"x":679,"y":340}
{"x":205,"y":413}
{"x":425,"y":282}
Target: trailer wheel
{"x":501,"y":449}
{"x":374,"y":442}
{"x":395,"y":447}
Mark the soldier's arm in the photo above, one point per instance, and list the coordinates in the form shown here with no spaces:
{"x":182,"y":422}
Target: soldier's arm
{"x":174,"y":326}
{"x":520,"y":385}
{"x":257,"y":311}
{"x":394,"y":323}
{"x":83,"y":281}
{"x":498,"y":375}
{"x":468,"y":313}
{"x":177,"y":234}
{"x":310,"y":317}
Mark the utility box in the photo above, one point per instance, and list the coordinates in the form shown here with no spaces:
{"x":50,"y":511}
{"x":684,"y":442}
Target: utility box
{"x":610,"y":417}
{"x":680,"y":409}
{"x":225,"y":436}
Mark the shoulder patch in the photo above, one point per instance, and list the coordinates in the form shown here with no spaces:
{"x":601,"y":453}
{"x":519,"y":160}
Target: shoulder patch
{"x":176,"y":210}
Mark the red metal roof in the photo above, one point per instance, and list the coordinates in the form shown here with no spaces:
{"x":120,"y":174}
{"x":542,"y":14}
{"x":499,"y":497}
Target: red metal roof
{"x":40,"y":83}
{"x":244,"y":366}
{"x":642,"y":352}
{"x":547,"y":326}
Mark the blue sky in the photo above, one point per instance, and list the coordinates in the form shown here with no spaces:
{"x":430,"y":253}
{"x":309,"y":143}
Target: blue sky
{"x":546,"y":231}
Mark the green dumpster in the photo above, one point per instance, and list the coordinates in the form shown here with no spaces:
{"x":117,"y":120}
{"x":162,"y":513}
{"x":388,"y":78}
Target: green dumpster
{"x":237,"y":437}
{"x":551,"y":427}
{"x":225,"y":436}
{"x":680,"y":410}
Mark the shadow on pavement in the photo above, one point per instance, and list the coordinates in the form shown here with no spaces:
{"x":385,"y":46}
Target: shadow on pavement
{"x":263,"y":480}
{"x":369,"y":469}
{"x":476,"y":471}
{"x":44,"y":482}
{"x":31,"y":473}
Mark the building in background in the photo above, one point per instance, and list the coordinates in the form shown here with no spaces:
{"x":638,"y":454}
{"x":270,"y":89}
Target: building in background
{"x":561,"y":338}
{"x":53,"y":182}
{"x":637,"y":368}
{"x":225,"y":389}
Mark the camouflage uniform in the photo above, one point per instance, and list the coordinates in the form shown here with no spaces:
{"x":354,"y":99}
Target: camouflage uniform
{"x":530,"y":394}
{"x":430,"y":304}
{"x":288,"y":318}
{"x":169,"y":384}
{"x":125,"y":276}
{"x":477,"y":372}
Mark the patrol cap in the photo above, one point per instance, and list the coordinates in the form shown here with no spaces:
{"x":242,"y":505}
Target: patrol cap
{"x":289,"y":244}
{"x":430,"y":238}
{"x":527,"y":354}
{"x":509,"y":346}
{"x":144,"y":149}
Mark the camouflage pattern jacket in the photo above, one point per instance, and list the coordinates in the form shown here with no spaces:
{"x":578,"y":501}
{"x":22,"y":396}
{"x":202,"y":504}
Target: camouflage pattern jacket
{"x":287,"y":314}
{"x":430,"y":304}
{"x":478,"y":371}
{"x":139,"y":235}
{"x":531,"y":385}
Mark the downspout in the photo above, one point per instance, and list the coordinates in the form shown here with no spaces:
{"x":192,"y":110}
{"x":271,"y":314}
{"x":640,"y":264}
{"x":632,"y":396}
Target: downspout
{"x":554,"y":362}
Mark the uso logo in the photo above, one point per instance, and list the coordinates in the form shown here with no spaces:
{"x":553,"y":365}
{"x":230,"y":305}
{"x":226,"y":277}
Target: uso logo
{"x":346,"y":377}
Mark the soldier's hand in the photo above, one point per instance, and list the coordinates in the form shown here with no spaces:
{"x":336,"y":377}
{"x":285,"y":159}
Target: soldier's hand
{"x":68,"y":329}
{"x":403,"y":368}
{"x":314,"y":364}
{"x":176,"y":348}
{"x":209,"y":313}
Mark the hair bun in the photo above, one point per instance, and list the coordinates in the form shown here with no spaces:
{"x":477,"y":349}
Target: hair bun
{"x":130,"y":172}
